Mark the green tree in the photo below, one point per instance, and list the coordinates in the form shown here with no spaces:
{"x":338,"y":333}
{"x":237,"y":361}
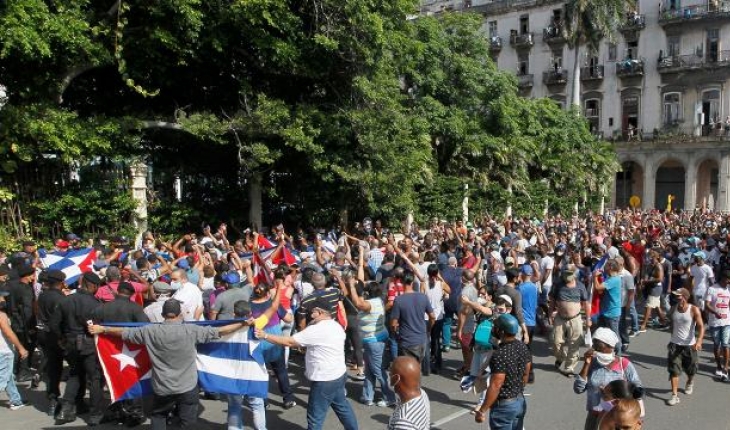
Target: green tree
{"x":587,"y":23}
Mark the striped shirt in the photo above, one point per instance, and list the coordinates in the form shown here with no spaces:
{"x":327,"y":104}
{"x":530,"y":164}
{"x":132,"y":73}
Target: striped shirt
{"x":415,"y":414}
{"x":372,"y":324}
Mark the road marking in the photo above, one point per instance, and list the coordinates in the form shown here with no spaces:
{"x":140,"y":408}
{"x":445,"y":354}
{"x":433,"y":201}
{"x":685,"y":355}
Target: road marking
{"x":449,"y":418}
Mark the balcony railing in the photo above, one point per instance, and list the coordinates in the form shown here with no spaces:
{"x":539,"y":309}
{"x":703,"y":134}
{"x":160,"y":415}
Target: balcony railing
{"x":591,"y":73}
{"x":592,"y":113}
{"x":555,"y":77}
{"x":553,"y":34}
{"x":629,"y":68}
{"x":633,"y":22}
{"x":495,"y":43}
{"x":525,"y":40}
{"x":676,"y":130}
{"x":711,"y":10}
{"x":678,"y":63}
{"x":525,"y":81}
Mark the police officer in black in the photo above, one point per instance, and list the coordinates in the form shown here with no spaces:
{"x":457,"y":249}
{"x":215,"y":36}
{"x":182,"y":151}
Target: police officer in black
{"x":22,"y":314}
{"x":122,"y":309}
{"x":52,"y":363}
{"x":69,"y":323}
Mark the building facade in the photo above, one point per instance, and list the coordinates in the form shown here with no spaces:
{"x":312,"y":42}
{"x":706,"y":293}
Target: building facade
{"x":660,"y":92}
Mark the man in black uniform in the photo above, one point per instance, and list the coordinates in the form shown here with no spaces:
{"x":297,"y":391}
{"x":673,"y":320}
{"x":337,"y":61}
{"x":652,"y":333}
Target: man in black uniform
{"x":122,"y":309}
{"x":69,"y":323}
{"x":22,"y":317}
{"x":52,"y":363}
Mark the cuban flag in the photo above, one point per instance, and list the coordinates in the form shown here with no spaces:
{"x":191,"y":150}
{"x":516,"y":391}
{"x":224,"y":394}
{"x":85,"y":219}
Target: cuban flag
{"x":234,"y":364}
{"x":73,"y":263}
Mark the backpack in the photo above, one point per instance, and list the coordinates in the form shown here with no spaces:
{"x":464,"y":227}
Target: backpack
{"x":483,"y":334}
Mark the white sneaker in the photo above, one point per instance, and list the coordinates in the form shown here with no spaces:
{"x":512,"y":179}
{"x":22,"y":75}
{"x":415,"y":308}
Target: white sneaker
{"x":16,"y":407}
{"x":718,"y":373}
{"x":689,"y":389}
{"x":724,"y":377}
{"x":674,"y":400}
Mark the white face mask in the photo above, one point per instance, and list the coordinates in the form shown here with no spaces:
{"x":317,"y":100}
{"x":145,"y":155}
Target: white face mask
{"x":604,"y":358}
{"x":176,"y":285}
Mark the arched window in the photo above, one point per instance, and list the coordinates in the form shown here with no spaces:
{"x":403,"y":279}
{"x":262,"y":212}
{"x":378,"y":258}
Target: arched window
{"x":672,"y":109}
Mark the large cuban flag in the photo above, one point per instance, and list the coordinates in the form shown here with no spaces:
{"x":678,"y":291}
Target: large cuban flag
{"x":73,"y":263}
{"x":232,"y":365}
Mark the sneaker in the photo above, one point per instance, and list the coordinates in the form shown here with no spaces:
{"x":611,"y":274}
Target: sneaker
{"x":384,"y":403}
{"x":689,"y":389}
{"x":724,"y":377}
{"x":446,"y":349}
{"x":718,"y":373}
{"x":290,"y":404}
{"x":674,"y":400}
{"x":368,"y":403}
{"x":641,"y":330}
{"x":16,"y":406}
{"x":633,"y":333}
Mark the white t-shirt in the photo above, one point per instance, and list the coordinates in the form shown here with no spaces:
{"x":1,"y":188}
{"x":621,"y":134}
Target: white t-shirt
{"x":325,"y":357}
{"x":719,"y":298}
{"x":5,"y":343}
{"x":191,"y":297}
{"x":436,"y":297}
{"x":701,"y":276}
{"x":547,"y":263}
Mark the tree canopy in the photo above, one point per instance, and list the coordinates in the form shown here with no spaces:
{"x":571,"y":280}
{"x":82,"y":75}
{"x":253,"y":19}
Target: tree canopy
{"x":335,"y":105}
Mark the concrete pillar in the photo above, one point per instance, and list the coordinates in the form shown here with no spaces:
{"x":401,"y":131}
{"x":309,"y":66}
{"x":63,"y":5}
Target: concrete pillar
{"x":723,"y":192}
{"x":465,"y":205}
{"x":254,"y":201}
{"x":649,"y":193}
{"x":690,"y":186}
{"x":138,"y":171}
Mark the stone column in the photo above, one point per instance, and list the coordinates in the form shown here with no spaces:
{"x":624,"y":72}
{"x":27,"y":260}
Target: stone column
{"x":723,"y":192}
{"x":690,"y":186}
{"x":138,"y":171}
{"x":649,"y":194}
{"x":255,"y":188}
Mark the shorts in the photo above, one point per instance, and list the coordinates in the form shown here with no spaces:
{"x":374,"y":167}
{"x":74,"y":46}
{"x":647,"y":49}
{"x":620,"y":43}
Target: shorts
{"x":681,"y":358}
{"x":721,"y":336}
{"x":465,"y":340}
{"x":653,"y":302}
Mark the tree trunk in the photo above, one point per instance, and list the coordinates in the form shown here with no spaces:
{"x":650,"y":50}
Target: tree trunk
{"x":254,"y":201}
{"x":576,"y":78}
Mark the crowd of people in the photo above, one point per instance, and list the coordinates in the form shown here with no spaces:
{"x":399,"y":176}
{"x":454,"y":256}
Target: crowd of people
{"x":378,"y":307}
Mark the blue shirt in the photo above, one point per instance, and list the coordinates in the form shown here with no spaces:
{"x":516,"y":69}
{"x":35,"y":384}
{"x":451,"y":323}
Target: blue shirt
{"x":611,"y":299}
{"x":409,"y":310}
{"x":528,"y":291}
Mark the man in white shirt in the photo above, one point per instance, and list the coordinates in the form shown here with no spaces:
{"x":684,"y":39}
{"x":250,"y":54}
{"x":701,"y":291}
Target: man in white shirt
{"x":187,"y":293}
{"x":702,"y":278}
{"x":325,"y":367}
{"x":717,"y":304}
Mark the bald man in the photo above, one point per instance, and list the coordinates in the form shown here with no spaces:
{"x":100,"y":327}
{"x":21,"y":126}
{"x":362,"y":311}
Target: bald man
{"x":413,"y":411}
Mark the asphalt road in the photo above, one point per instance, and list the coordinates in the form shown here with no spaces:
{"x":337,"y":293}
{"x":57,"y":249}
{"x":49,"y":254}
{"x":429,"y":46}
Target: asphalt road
{"x":551,"y":401}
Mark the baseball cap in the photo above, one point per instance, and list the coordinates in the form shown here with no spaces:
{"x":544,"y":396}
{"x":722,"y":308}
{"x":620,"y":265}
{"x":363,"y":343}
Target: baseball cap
{"x":231,"y":278}
{"x":506,"y":298}
{"x":509,"y":261}
{"x":700,"y":254}
{"x":92,"y":278}
{"x":62,"y":244}
{"x":526,"y":270}
{"x":162,"y":287}
{"x":682,"y":292}
{"x":321,"y":303}
{"x":171,"y":307}
{"x":606,"y":335}
{"x":183,"y":264}
{"x":54,"y":275}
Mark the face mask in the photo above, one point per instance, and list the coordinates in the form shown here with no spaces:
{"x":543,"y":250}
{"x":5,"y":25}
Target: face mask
{"x":392,"y":384}
{"x":604,"y":358}
{"x":176,"y":285}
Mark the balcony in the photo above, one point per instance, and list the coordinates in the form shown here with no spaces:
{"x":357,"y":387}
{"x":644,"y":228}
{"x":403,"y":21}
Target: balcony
{"x":712,"y":10}
{"x":591,"y":113}
{"x":495,"y":44}
{"x":553,"y":35}
{"x":633,"y":22}
{"x":591,"y":73}
{"x":676,"y":132}
{"x":683,"y":63}
{"x":524,"y":41}
{"x":525,"y":81}
{"x":630,"y":68}
{"x":555,"y":77}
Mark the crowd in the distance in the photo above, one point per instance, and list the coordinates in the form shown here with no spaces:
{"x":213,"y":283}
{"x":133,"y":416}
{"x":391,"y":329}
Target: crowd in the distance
{"x":356,"y":298}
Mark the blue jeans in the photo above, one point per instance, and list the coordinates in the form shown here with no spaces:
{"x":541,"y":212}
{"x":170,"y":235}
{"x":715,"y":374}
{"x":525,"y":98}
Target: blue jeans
{"x":324,"y":394}
{"x":7,"y":381}
{"x":235,"y":410}
{"x":509,"y":415}
{"x":448,"y":319}
{"x":374,"y":371}
{"x":634,"y":316}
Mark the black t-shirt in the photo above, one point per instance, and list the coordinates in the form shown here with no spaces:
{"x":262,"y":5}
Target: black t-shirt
{"x":511,"y":358}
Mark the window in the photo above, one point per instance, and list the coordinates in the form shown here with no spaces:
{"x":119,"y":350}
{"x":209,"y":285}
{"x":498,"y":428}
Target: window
{"x":523,"y":64}
{"x":713,"y":45}
{"x":673,"y":45}
{"x":710,"y":110}
{"x":524,"y":24}
{"x":630,"y":116}
{"x":593,"y":114}
{"x":632,"y":50}
{"x":672,"y":109}
{"x":493,"y":29}
{"x":558,"y":60}
{"x":611,"y":52}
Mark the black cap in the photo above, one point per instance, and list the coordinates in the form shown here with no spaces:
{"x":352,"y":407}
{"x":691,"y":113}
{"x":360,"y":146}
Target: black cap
{"x":92,"y":278}
{"x":55,"y":276}
{"x":322,"y":303}
{"x":171,"y":307}
{"x":25,"y":270}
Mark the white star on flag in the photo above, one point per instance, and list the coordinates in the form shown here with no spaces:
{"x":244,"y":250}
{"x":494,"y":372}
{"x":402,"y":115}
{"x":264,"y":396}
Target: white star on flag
{"x":126,"y":358}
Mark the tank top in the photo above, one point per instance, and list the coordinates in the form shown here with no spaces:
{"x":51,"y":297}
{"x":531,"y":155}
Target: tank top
{"x":372,"y":324}
{"x":684,"y":327}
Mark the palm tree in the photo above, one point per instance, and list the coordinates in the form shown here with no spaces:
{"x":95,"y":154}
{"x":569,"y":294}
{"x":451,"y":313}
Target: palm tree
{"x":587,"y":23}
